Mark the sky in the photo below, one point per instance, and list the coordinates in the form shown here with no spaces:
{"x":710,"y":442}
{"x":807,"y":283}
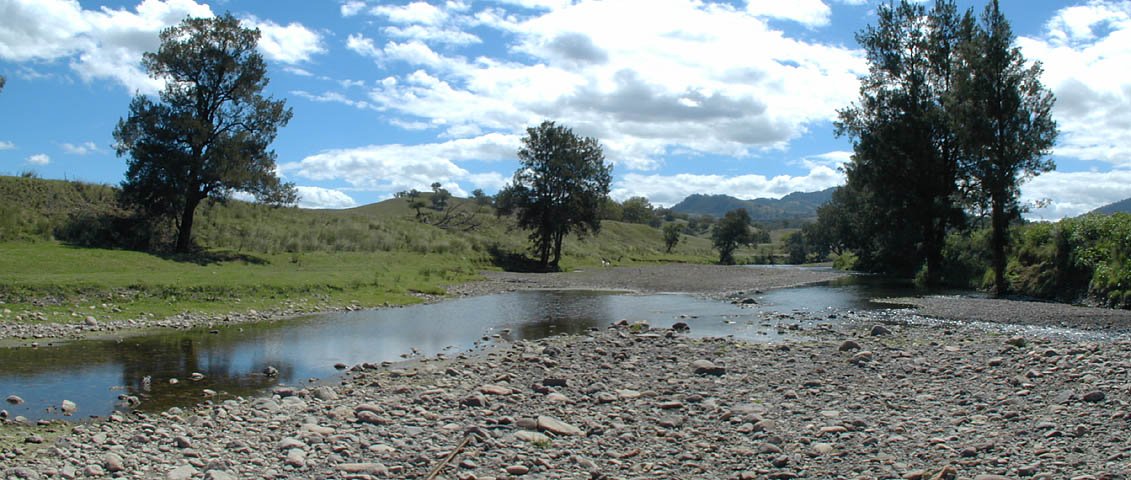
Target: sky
{"x":687,"y":96}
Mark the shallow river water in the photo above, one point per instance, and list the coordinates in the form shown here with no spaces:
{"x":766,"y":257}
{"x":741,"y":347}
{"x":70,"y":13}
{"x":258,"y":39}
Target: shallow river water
{"x":95,"y":373}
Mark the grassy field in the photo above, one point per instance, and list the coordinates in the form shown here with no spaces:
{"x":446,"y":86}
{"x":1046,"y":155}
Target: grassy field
{"x":55,"y":267}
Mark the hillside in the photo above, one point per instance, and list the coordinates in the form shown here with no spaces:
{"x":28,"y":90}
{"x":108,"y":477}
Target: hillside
{"x":1122,"y":206}
{"x":33,"y":209}
{"x":795,"y":206}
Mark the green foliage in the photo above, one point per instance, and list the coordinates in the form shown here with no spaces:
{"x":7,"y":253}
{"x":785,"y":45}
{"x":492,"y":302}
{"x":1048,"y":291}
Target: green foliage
{"x":209,"y":133}
{"x":558,"y":188}
{"x":845,"y":261}
{"x":1003,"y":119}
{"x":637,"y":210}
{"x":733,"y":230}
{"x":671,"y":236}
{"x":904,"y":162}
{"x":796,"y":248}
{"x":1076,"y":259}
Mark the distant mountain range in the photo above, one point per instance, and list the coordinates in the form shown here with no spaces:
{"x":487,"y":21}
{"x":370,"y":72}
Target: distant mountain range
{"x":795,"y":206}
{"x":1120,"y":206}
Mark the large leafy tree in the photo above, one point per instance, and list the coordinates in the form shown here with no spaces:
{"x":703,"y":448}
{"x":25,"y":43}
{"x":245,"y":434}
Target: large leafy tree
{"x":905,"y":155}
{"x":732,"y":231}
{"x":207,"y":135}
{"x":559,"y":187}
{"x":1004,"y":119}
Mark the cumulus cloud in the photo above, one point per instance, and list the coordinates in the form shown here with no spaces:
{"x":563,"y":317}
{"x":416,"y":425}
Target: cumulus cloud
{"x":108,"y":43}
{"x":1085,"y":50}
{"x":684,"y":80}
{"x":392,"y":168}
{"x":318,"y":197}
{"x":39,"y":159}
{"x":1074,"y":193}
{"x":668,"y":190}
{"x":6,"y":145}
{"x":812,"y":13}
{"x":352,"y":7}
{"x":80,"y":149}
{"x":292,"y":43}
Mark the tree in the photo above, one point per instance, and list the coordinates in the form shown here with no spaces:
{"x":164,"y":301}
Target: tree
{"x":1007,"y":130}
{"x":558,"y":188}
{"x":797,"y":248}
{"x":208,"y":134}
{"x":637,"y":210}
{"x":731,"y":231}
{"x":671,"y":236}
{"x":440,"y":196}
{"x":481,"y":198}
{"x":904,"y":169}
{"x":414,"y":200}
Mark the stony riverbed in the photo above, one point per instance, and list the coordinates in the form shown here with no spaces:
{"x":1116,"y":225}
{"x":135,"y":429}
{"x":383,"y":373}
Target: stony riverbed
{"x":856,"y":401}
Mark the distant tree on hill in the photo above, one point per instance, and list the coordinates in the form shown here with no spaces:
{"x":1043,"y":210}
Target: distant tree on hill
{"x":208,"y":134}
{"x":481,"y":198}
{"x":558,"y":188}
{"x":671,"y":236}
{"x":637,"y":210}
{"x":415,"y":201}
{"x":732,"y":231}
{"x":440,"y":196}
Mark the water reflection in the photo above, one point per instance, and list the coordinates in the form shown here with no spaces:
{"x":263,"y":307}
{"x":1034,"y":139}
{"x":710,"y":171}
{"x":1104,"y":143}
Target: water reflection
{"x":94,"y":373}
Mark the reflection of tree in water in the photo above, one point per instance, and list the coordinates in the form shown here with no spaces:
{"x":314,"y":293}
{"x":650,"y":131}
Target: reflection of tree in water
{"x":561,"y":312}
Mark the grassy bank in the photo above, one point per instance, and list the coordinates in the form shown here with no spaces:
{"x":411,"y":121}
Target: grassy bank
{"x":62,"y":259}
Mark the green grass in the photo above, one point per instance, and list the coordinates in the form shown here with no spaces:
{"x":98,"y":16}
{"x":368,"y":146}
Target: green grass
{"x":68,"y":283}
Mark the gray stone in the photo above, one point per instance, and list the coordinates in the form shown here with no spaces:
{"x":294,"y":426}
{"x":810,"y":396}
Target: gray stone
{"x":880,"y":330}
{"x":1094,"y":396}
{"x":296,"y":457}
{"x":518,"y":470}
{"x":325,"y":393}
{"x":707,"y":367}
{"x":183,"y":472}
{"x":114,"y":463}
{"x":849,"y":345}
{"x":14,"y":399}
{"x":553,"y":425}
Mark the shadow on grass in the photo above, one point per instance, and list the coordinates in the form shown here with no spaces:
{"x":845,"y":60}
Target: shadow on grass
{"x":516,"y":262}
{"x":204,"y":258}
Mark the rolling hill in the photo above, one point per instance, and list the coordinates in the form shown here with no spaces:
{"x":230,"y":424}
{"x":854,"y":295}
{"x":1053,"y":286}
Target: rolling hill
{"x":795,"y":206}
{"x":1117,"y":207}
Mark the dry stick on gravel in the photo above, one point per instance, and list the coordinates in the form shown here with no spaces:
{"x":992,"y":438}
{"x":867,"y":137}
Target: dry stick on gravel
{"x":459,"y":448}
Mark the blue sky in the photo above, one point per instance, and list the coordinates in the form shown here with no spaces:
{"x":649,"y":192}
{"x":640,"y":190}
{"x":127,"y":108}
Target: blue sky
{"x":687,"y":96}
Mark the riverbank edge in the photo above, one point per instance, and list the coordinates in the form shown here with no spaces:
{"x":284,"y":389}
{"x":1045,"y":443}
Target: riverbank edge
{"x":22,"y":334}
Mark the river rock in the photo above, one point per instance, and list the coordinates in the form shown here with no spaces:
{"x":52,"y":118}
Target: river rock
{"x":94,"y":470}
{"x":495,"y":390}
{"x":880,"y":330}
{"x":1094,"y":396}
{"x":707,"y":367}
{"x":553,"y":425}
{"x":183,"y":472}
{"x":14,"y":399}
{"x":518,"y":470}
{"x":531,"y":437}
{"x":271,"y":371}
{"x":68,"y":407}
{"x":364,"y":468}
{"x":114,"y":462}
{"x":476,"y":400}
{"x":296,"y":457}
{"x":325,"y":393}
{"x":849,"y":345}
{"x":90,"y":321}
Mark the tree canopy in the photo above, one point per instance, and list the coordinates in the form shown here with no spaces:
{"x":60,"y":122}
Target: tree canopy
{"x":207,"y":135}
{"x":558,"y":188}
{"x":732,"y":231}
{"x":950,"y":118}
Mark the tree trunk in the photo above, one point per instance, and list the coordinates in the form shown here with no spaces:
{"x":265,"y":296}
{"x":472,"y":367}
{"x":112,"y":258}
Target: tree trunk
{"x":184,"y":233}
{"x":558,"y":236}
{"x":997,"y":243}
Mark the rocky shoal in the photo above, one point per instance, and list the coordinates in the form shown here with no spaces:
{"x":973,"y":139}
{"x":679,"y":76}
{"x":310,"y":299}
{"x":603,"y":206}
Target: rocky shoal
{"x":852,"y":401}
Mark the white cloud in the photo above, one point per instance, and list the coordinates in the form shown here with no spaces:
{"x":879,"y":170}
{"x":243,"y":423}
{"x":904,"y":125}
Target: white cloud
{"x":686,"y":79}
{"x":392,"y":168}
{"x":352,"y":7}
{"x":667,"y":190}
{"x":318,"y":197}
{"x":292,"y":43}
{"x":332,"y":97}
{"x":6,"y":145}
{"x":108,"y":43}
{"x":39,"y":159}
{"x":1075,"y":193}
{"x":80,"y":149}
{"x":812,"y":13}
{"x":1085,"y":50}
{"x":415,"y":12}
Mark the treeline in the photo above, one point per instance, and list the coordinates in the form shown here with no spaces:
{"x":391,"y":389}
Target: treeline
{"x":950,"y":120}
